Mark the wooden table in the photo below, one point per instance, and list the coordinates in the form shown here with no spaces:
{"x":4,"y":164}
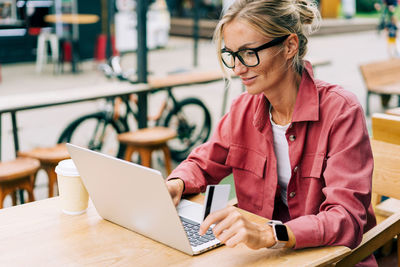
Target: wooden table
{"x":72,"y":19}
{"x":185,"y":78}
{"x":39,"y":234}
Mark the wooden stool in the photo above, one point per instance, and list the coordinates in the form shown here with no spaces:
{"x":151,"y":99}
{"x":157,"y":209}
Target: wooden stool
{"x":49,"y":158}
{"x":17,"y":174}
{"x":145,"y":141}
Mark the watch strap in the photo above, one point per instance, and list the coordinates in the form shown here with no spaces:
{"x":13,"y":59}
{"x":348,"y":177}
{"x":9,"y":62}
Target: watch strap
{"x":278,"y":244}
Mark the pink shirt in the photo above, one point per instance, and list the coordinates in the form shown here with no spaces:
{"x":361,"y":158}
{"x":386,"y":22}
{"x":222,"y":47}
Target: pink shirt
{"x":329,"y":191}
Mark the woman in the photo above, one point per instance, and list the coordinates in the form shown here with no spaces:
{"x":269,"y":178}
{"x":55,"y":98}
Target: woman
{"x":298,"y":147}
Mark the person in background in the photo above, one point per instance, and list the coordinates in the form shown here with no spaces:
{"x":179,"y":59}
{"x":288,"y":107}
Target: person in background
{"x":298,"y":147}
{"x":392,"y":29}
{"x":389,"y":4}
{"x":387,"y":9}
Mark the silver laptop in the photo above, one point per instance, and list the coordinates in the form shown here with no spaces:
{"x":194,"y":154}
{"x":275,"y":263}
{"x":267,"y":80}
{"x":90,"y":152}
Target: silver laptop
{"x":137,"y":198}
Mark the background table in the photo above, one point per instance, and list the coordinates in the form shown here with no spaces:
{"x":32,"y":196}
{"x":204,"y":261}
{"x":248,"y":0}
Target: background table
{"x":39,"y":234}
{"x":72,"y":19}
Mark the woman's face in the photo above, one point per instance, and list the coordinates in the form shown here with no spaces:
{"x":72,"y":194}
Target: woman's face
{"x":272,"y":67}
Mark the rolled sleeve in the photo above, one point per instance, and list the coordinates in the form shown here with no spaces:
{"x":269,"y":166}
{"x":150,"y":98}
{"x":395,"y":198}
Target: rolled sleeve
{"x":206,"y":163}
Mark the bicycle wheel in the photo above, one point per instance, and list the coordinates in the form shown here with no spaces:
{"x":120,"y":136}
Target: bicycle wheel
{"x":96,"y":132}
{"x":192,"y":122}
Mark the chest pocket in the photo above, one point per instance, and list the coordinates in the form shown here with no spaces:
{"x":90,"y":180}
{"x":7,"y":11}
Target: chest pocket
{"x":248,"y":169}
{"x":312,"y":165}
{"x":310,"y":183}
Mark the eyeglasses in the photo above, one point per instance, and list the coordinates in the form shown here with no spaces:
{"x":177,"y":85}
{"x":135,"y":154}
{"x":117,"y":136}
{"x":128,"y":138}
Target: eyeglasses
{"x":248,"y":56}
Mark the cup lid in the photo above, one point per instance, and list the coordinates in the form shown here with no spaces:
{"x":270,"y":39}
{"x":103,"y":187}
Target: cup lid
{"x":67,"y":168}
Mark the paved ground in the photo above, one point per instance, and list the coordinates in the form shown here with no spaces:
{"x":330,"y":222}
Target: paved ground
{"x":41,"y":127}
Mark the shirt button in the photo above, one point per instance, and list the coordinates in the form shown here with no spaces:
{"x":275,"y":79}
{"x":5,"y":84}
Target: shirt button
{"x":292,"y":194}
{"x":292,"y":138}
{"x":295,"y":169}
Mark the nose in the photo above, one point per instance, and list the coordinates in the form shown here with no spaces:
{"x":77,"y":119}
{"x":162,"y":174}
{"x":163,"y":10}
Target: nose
{"x":239,"y":68}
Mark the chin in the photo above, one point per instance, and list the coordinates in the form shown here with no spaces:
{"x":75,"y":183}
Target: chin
{"x":252,"y":90}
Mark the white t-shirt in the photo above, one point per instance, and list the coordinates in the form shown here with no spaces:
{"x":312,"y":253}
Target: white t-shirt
{"x":281,"y":147}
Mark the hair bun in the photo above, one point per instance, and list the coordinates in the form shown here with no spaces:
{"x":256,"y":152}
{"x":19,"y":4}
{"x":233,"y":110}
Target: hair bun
{"x":306,"y":11}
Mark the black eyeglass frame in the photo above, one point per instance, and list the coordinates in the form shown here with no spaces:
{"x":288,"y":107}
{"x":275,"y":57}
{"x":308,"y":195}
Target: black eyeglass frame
{"x":235,"y":55}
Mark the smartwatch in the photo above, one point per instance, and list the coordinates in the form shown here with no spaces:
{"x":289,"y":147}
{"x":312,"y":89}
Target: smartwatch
{"x":280,"y":233}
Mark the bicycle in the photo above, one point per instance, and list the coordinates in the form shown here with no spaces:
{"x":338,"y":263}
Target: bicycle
{"x":98,"y":131}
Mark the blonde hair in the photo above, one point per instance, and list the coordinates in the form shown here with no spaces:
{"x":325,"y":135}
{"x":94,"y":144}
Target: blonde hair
{"x":274,"y":18}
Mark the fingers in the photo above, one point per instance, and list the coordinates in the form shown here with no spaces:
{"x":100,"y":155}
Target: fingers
{"x":170,"y":188}
{"x":237,"y":238}
{"x":231,"y":228}
{"x":242,"y":231}
{"x":174,"y":189}
{"x":176,"y":200}
{"x":233,"y":219}
{"x":233,"y":235}
{"x":213,"y":218}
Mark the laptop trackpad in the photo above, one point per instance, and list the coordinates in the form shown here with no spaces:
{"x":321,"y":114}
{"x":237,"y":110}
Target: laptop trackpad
{"x":190,"y":210}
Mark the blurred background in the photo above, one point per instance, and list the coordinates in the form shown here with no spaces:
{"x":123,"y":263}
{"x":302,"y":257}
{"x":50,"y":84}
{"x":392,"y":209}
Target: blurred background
{"x":21,"y":22}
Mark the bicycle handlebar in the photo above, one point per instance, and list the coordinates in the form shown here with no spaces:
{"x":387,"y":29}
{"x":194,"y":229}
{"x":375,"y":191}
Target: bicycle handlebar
{"x":113,"y":69}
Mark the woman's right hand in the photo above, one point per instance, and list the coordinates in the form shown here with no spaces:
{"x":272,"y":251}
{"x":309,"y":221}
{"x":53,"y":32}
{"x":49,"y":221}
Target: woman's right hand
{"x":175,"y":188}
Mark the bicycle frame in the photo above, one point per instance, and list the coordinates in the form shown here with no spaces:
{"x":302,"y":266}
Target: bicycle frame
{"x":165,"y":107}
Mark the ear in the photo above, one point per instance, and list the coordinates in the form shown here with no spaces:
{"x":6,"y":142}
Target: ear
{"x":292,"y":46}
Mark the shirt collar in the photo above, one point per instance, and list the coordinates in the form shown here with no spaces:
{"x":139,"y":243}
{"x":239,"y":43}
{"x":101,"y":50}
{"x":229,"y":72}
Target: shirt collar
{"x":307,"y":102}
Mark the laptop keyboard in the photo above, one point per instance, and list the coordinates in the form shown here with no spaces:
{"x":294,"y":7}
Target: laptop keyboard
{"x":192,"y":231}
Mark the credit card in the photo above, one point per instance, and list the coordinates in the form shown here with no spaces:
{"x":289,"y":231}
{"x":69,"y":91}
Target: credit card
{"x":216,"y":198}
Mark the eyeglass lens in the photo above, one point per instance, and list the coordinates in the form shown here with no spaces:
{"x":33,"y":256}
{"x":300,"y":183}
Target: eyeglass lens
{"x":247,"y":57}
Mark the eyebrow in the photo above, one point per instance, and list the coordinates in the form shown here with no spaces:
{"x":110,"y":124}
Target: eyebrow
{"x":241,"y":47}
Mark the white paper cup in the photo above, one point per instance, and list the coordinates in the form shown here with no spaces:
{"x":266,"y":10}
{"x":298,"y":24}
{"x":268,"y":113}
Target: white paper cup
{"x":73,"y":195}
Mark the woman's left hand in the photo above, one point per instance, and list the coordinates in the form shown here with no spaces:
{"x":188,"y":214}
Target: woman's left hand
{"x":233,"y":228}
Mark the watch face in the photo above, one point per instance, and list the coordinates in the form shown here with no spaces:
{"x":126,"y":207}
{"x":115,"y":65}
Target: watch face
{"x":281,"y":232}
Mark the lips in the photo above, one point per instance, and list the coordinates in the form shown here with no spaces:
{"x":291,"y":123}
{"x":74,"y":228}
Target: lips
{"x":248,"y":81}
